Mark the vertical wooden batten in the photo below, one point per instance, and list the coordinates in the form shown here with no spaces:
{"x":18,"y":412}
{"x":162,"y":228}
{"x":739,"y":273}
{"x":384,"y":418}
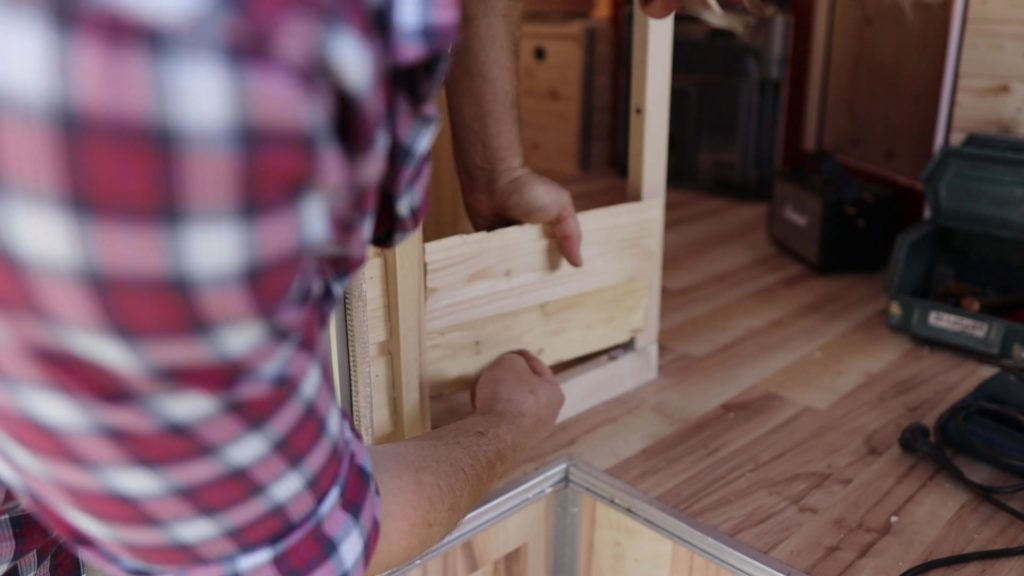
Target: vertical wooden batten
{"x":403,"y":267}
{"x":648,"y":136}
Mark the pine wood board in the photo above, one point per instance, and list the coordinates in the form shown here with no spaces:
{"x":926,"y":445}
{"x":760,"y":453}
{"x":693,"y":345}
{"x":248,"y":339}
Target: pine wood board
{"x":491,"y":292}
{"x":556,"y":331}
{"x":489,"y":273}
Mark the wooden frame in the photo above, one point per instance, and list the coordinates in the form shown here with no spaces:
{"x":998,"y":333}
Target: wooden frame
{"x":423,"y":318}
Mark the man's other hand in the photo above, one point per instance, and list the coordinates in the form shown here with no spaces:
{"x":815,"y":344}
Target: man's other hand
{"x":522,"y":196}
{"x":520,"y":389}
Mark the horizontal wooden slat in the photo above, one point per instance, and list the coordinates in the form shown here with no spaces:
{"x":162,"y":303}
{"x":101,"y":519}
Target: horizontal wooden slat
{"x":486,"y":274}
{"x":555,"y":331}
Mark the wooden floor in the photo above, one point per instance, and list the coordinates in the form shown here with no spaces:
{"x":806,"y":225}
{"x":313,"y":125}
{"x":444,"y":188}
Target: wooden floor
{"x":780,"y":401}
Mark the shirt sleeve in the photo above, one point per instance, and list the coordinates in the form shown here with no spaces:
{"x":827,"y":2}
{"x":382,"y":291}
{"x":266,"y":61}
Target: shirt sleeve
{"x":414,"y":55}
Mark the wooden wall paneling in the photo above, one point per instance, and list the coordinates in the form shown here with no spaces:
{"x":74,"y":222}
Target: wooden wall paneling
{"x":885,"y":82}
{"x":648,"y":138}
{"x":491,"y":292}
{"x":990,"y":85}
{"x":515,"y":546}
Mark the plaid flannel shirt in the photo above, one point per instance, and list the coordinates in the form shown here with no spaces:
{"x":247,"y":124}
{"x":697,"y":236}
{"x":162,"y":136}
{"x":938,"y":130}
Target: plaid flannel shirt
{"x":184,"y":188}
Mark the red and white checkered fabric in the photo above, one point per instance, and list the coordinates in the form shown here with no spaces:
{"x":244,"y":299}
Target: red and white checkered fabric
{"x":185,"y":187}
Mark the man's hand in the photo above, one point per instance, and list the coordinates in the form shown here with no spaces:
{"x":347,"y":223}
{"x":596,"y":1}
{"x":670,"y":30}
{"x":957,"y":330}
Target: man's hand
{"x":519,"y":388}
{"x":523,"y":196}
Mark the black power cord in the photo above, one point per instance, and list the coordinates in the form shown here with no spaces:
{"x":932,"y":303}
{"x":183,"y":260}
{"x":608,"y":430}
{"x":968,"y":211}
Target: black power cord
{"x":916,"y":439}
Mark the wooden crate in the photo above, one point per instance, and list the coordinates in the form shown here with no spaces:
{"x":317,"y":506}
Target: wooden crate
{"x":565,"y":79}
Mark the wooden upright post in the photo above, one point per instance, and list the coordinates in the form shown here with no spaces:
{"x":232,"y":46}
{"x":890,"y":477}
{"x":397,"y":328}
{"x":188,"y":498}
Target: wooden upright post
{"x":648,"y":135}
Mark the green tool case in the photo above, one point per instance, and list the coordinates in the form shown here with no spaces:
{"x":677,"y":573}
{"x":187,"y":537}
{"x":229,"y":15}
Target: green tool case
{"x":958,"y":278}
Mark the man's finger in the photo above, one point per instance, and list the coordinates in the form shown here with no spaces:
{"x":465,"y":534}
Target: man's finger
{"x":569,"y":235}
{"x":537,"y":366}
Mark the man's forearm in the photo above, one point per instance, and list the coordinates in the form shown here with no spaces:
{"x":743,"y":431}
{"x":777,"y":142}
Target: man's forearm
{"x":428,"y":484}
{"x":482,"y":93}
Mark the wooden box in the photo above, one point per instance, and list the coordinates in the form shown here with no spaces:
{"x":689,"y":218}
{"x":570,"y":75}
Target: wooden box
{"x":565,"y":84}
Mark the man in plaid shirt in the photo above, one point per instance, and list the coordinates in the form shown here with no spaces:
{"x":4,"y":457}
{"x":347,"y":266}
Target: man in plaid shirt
{"x":185,"y":186}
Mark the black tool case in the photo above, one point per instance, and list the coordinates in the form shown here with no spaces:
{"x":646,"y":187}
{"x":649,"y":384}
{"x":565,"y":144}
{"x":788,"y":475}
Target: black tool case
{"x":833,"y":221}
{"x":958,"y":278}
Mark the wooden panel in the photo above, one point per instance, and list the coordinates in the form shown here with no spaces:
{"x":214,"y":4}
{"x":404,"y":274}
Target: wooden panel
{"x":515,"y":546}
{"x":885,"y":83}
{"x":613,"y":543}
{"x":552,"y":75}
{"x":492,"y":289}
{"x":990,"y":88}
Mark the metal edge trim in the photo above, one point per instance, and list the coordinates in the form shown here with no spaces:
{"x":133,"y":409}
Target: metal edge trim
{"x":670,"y":523}
{"x":567,"y":533}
